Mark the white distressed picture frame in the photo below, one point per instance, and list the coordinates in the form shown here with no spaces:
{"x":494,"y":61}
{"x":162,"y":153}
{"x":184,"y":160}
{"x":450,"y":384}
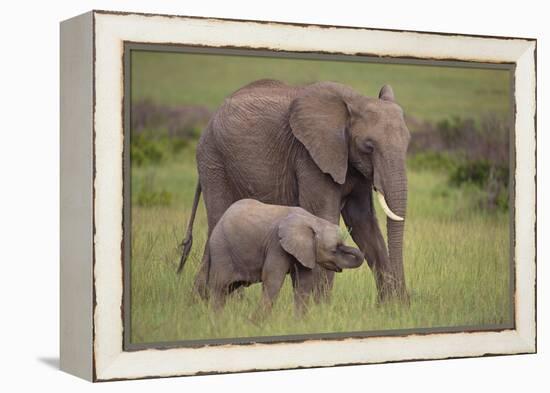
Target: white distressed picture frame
{"x":92,"y":90}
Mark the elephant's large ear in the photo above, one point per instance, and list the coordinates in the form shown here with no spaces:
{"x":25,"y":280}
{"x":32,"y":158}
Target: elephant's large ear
{"x":297,"y":238}
{"x":386,"y":93}
{"x":318,"y":120}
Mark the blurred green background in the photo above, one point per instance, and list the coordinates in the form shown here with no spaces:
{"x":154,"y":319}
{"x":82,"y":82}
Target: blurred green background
{"x":426,"y":92}
{"x":457,"y":234}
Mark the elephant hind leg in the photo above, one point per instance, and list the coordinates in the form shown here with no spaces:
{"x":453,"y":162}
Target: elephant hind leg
{"x":217,"y":196}
{"x":216,"y":285}
{"x":200,"y":285}
{"x":219,"y":296}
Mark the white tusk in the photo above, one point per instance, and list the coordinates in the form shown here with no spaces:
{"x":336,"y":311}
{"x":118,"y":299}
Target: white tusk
{"x":386,"y":209}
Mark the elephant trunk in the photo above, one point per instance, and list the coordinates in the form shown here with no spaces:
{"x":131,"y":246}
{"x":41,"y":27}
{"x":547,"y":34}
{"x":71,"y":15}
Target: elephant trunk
{"x":353,"y":257}
{"x":395,"y":191}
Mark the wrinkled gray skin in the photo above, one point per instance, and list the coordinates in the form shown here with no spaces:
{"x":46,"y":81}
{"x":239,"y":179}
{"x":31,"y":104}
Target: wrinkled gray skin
{"x":256,"y":242}
{"x":323,"y":147}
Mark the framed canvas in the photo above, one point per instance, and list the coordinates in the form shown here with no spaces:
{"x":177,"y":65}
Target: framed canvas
{"x":247,"y":195}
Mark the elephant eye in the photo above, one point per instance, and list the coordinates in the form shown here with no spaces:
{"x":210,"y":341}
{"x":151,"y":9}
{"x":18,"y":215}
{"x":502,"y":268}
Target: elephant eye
{"x":367,"y":147}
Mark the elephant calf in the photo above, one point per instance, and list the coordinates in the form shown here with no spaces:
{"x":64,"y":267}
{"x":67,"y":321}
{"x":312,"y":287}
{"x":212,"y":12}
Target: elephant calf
{"x":256,"y":242}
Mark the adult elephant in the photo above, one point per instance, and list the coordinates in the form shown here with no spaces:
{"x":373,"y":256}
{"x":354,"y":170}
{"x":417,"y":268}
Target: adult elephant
{"x":323,"y":147}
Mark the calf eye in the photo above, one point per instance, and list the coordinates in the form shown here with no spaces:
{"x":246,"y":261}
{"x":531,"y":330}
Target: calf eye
{"x":367,"y":147}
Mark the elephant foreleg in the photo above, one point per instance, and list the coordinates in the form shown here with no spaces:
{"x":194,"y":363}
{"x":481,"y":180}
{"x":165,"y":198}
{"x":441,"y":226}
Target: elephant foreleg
{"x":303,"y":283}
{"x":360,"y":216}
{"x":275,"y":268}
{"x":319,"y":195}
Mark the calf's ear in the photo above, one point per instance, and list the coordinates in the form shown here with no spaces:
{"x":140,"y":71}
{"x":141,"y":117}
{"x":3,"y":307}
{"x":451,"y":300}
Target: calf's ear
{"x":298,"y":239}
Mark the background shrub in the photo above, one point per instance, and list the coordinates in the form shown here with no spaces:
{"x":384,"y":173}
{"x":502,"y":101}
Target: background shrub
{"x":470,"y":153}
{"x":148,"y":195}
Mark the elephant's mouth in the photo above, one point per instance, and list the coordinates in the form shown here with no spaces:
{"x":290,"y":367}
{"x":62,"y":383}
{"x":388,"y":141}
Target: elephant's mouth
{"x":331,"y":266}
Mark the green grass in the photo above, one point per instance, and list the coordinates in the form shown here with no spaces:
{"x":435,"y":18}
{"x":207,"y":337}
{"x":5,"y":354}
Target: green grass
{"x":456,"y":255}
{"x":429,"y":93}
{"x":456,"y":263}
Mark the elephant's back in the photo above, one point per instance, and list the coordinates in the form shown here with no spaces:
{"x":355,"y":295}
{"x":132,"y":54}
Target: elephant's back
{"x":263,"y":87}
{"x":252,"y":217}
{"x":251,"y":139}
{"x":249,"y":220}
{"x":256,"y":109}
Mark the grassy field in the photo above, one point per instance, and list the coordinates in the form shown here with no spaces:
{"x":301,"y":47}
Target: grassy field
{"x":428,"y":93}
{"x":456,"y":254}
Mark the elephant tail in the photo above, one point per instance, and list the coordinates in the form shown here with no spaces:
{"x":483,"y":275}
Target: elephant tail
{"x":188,"y":240}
